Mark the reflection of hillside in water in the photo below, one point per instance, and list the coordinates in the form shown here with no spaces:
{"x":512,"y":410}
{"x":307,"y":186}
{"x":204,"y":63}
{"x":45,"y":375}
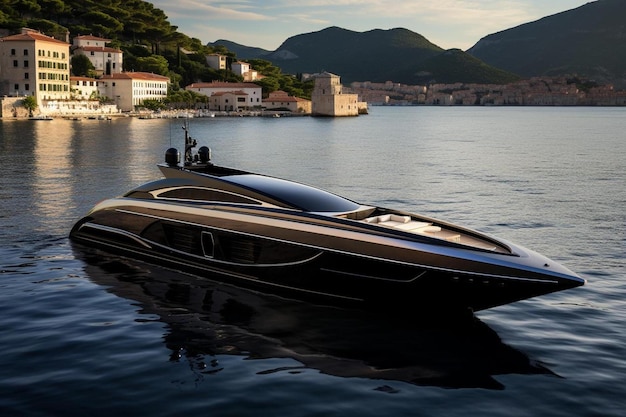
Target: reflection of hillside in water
{"x":206,"y":318}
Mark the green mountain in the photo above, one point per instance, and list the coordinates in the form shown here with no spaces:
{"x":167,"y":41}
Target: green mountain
{"x":379,"y":55}
{"x":456,"y":66}
{"x":589,"y":41}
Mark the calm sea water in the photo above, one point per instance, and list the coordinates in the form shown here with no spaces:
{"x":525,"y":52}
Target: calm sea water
{"x":89,"y":334}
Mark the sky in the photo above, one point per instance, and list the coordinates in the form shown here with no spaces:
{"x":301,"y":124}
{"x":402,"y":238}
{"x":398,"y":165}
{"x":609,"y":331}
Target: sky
{"x":267,"y":23}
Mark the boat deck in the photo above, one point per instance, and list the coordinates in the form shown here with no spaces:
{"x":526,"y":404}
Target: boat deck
{"x":408,"y":224}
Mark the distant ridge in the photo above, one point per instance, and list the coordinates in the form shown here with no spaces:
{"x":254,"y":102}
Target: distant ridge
{"x":589,"y":41}
{"x":380,"y":55}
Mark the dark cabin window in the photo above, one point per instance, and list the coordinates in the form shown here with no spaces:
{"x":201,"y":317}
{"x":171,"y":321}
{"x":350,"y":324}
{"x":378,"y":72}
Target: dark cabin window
{"x":294,"y":194}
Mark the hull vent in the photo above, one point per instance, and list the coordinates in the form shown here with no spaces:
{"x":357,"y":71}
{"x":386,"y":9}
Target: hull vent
{"x":183,"y":239}
{"x":243,"y":251}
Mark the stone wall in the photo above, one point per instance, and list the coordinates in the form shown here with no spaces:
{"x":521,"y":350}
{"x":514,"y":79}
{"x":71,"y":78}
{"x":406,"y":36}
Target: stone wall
{"x":12,"y":107}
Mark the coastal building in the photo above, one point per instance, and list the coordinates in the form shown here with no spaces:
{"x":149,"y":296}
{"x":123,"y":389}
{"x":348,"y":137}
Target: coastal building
{"x":106,"y":60}
{"x":217,"y":61}
{"x":228,"y":101}
{"x":244,"y":70}
{"x":535,"y":91}
{"x":84,"y":88}
{"x":246,"y":95}
{"x":33,"y":64}
{"x":280,"y":100}
{"x":328,"y":100}
{"x":131,"y":89}
{"x":389,"y":93}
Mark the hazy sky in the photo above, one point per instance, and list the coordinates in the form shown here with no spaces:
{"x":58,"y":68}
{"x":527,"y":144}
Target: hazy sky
{"x":267,"y":23}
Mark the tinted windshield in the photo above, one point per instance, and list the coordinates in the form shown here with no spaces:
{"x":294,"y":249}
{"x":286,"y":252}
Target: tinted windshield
{"x":294,"y":194}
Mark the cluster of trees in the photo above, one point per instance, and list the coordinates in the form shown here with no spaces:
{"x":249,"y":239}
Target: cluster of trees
{"x":133,"y":20}
{"x":149,"y":42}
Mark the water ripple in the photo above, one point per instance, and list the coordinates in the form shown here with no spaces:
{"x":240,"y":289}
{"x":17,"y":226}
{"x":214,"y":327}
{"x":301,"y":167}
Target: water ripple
{"x":106,"y":336}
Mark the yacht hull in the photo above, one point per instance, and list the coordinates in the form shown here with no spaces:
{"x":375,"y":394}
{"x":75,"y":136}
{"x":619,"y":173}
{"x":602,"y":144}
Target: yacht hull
{"x":319,"y":258}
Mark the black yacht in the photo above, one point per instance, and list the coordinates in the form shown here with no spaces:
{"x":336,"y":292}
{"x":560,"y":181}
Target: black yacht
{"x":294,"y":240}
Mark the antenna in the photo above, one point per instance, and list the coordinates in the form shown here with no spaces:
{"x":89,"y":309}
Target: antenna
{"x":190,"y":143}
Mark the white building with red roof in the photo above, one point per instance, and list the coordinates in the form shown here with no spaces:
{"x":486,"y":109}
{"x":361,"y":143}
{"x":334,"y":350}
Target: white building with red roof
{"x":130,"y":89}
{"x":106,"y":60}
{"x":280,"y":100}
{"x":243,"y":96}
{"x":228,"y":101}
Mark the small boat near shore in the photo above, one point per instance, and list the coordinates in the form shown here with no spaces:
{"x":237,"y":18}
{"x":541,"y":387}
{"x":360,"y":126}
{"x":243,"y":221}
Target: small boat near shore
{"x":41,"y":117}
{"x":286,"y":238}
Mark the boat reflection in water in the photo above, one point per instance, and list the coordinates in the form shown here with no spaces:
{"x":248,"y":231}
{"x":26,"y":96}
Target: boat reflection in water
{"x":207,"y":319}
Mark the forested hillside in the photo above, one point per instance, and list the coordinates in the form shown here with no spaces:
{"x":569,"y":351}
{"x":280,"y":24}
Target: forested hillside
{"x":128,"y":20}
{"x":150,"y":43}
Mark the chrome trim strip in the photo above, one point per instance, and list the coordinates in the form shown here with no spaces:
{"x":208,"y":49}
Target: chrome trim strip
{"x":428,"y":267}
{"x":353,"y":274}
{"x":144,"y":242}
{"x":117,"y":231}
{"x":253,"y":201}
{"x":219,"y":261}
